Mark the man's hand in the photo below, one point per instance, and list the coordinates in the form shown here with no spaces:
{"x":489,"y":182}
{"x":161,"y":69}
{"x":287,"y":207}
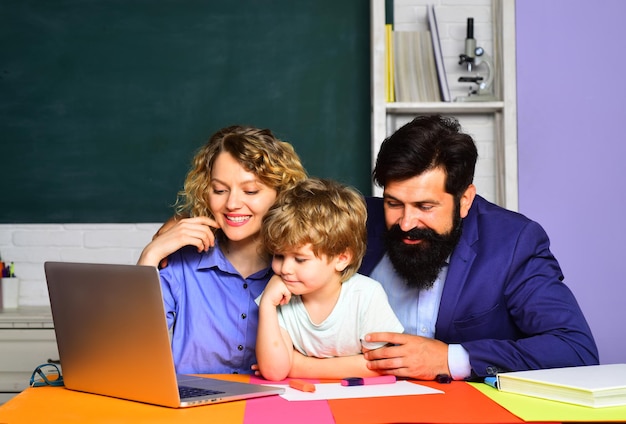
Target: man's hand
{"x":408,"y":356}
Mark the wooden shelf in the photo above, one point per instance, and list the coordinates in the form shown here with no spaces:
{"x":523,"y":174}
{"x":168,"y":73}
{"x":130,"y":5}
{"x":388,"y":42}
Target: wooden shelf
{"x":445,"y":108}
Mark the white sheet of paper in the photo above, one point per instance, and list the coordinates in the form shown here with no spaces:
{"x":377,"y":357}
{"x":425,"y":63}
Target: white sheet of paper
{"x":325,"y":391}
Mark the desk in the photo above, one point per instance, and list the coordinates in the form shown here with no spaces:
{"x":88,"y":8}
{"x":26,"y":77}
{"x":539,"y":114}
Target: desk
{"x":26,"y":340}
{"x":461,"y":403}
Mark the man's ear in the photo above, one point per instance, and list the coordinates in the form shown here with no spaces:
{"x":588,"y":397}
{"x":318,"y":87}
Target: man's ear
{"x":342,"y":260}
{"x":467,"y":199}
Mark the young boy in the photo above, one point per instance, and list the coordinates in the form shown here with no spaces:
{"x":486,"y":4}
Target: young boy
{"x":317,"y":304}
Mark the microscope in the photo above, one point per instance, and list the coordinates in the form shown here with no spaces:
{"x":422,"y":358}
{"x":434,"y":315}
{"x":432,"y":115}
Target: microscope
{"x":474,"y":58}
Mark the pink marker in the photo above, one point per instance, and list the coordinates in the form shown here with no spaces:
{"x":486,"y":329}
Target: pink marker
{"x":366,"y":381}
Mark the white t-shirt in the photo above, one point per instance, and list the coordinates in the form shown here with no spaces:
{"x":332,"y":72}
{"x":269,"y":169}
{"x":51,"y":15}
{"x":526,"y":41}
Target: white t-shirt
{"x":362,"y":308}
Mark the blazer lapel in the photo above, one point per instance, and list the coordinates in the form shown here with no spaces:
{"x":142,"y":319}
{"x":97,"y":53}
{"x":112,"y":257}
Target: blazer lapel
{"x":460,"y":265}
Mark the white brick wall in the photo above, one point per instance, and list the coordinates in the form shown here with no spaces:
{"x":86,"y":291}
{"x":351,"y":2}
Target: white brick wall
{"x":30,"y":245}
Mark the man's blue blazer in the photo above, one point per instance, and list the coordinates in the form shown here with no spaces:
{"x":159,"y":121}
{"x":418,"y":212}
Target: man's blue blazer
{"x":504,"y":299}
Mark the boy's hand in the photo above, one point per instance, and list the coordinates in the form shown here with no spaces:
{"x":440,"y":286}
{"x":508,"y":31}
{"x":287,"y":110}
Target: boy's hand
{"x":276,"y":292}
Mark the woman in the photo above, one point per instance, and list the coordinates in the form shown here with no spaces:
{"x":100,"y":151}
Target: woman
{"x":216,"y":266}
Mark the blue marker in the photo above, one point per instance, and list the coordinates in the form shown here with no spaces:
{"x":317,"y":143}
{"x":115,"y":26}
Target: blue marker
{"x":492,"y":381}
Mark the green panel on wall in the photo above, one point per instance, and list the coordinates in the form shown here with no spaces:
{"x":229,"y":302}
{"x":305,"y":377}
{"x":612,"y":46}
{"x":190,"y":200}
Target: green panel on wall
{"x":104,"y":102}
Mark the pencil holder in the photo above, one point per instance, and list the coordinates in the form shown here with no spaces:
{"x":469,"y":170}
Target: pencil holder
{"x":10,"y":292}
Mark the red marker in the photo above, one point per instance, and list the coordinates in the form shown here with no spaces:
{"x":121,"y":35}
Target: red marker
{"x":365,"y":381}
{"x":303,"y":386}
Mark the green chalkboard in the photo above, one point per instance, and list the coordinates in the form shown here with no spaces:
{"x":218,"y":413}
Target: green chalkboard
{"x":104,"y":102}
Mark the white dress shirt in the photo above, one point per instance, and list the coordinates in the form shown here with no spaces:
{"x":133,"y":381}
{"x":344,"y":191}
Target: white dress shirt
{"x":417,"y":310}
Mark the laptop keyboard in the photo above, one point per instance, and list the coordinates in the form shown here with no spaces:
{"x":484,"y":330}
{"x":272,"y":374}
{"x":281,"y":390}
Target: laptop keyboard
{"x":190,"y":392}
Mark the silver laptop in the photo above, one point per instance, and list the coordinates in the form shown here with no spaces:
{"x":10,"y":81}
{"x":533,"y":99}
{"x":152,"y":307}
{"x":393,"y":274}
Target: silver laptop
{"x":113,"y":339}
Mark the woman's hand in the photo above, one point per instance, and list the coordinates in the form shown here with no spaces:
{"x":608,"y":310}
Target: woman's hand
{"x":176,"y":233}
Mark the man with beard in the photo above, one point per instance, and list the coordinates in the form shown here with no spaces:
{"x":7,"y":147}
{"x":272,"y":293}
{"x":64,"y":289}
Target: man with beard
{"x":475,"y":286}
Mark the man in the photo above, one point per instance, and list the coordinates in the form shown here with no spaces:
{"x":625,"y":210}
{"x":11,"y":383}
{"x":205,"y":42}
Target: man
{"x":475,"y":286}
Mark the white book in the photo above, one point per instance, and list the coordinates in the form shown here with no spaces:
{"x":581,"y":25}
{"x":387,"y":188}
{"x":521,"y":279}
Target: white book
{"x":428,"y":84}
{"x":407,"y":73}
{"x":594,"y":385}
{"x":415,"y":76}
{"x":441,"y":70}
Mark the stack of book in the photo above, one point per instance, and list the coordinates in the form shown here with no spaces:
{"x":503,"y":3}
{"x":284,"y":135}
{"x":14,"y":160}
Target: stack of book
{"x":595,"y":385}
{"x":414,"y":65}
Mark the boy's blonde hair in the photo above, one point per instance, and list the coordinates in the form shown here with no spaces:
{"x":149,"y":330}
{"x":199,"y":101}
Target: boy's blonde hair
{"x":328,"y":215}
{"x":274,"y":162}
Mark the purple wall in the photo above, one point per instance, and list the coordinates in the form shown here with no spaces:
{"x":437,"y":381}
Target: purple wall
{"x":571,"y":95}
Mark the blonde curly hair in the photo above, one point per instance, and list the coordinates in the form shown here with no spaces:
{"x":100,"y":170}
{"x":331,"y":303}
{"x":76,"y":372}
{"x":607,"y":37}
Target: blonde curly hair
{"x":325,"y":213}
{"x":273,"y":161}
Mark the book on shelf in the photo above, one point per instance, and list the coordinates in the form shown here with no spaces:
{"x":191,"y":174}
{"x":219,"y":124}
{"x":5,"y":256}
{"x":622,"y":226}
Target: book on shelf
{"x":389,"y":71}
{"x":441,"y":70}
{"x":594,"y":385}
{"x":415,"y":74}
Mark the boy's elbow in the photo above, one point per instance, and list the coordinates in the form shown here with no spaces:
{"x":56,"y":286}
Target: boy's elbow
{"x":273,"y":374}
{"x":271,"y":368}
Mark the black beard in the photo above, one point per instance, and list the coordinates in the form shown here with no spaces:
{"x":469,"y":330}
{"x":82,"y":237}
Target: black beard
{"x":420,"y":264}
